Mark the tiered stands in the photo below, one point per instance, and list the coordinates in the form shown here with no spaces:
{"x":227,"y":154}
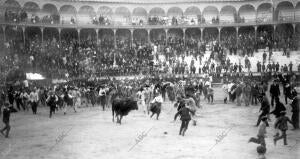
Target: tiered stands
{"x":276,"y":57}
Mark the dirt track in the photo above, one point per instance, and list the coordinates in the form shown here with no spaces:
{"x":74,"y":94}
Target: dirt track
{"x":90,"y":134}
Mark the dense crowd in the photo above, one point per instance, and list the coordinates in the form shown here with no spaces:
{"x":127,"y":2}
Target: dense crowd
{"x":87,"y":58}
{"x":149,"y":94}
{"x":160,"y":66}
{"x":150,"y":91}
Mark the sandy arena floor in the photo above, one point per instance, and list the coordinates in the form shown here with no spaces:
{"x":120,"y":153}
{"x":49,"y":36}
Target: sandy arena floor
{"x":90,"y":134}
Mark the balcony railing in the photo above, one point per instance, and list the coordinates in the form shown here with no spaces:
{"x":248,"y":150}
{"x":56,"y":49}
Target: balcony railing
{"x":184,"y":25}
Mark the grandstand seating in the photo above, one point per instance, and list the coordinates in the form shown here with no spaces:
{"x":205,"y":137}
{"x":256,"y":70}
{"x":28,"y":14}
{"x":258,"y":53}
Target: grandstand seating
{"x":276,"y":57}
{"x":125,"y":20}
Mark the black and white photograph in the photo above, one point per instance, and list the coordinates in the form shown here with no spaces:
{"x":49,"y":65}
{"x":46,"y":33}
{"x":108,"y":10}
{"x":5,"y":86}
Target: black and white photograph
{"x":158,"y":79}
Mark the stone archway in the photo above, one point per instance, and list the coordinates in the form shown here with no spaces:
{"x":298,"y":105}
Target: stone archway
{"x":264,"y":13}
{"x":193,"y":14}
{"x":123,"y":37}
{"x":140,"y":36}
{"x":139,"y":16}
{"x":284,"y":11}
{"x":210,"y":14}
{"x":68,"y":14}
{"x":228,"y":14}
{"x":49,"y":14}
{"x":32,"y":9}
{"x":86,"y":15}
{"x":158,"y":36}
{"x":247,"y":13}
{"x":12,"y":8}
{"x":122,"y":16}
{"x":106,"y":38}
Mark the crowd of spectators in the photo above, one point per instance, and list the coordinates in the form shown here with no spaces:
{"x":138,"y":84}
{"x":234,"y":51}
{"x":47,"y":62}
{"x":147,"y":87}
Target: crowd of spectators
{"x":72,"y":58}
{"x":157,"y":20}
{"x":15,"y":16}
{"x":102,"y":20}
{"x":54,"y":18}
{"x":51,"y":19}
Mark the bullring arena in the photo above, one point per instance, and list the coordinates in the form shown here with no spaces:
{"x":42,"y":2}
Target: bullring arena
{"x":149,"y":79}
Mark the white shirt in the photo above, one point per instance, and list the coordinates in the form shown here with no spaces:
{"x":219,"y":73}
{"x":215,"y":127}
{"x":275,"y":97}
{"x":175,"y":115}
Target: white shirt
{"x":101,"y":92}
{"x":158,"y":99}
{"x":26,"y":83}
{"x":140,"y":95}
{"x":33,"y":97}
{"x":207,"y":83}
{"x":230,"y":86}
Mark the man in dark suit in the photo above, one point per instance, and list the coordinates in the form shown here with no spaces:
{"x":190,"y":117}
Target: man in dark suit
{"x":274,"y":92}
{"x":264,"y":109}
{"x":6,"y":116}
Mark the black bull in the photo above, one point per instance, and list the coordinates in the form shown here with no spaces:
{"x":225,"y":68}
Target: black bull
{"x":155,"y":108}
{"x":122,"y":107}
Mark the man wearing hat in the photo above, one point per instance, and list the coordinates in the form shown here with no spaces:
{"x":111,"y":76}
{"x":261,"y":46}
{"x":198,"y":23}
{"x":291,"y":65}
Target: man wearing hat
{"x":6,"y":116}
{"x":185,"y":118}
{"x":287,"y":92}
{"x":261,"y":133}
{"x":265,"y":108}
{"x":51,"y":101}
{"x":274,"y":91}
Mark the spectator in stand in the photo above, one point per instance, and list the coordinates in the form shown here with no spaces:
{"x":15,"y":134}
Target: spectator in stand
{"x":254,"y":93}
{"x":291,"y":67}
{"x":264,"y":57}
{"x":277,"y":67}
{"x":258,"y":65}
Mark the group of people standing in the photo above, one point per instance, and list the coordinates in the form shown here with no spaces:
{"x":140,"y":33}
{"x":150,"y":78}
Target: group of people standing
{"x":279,"y":110}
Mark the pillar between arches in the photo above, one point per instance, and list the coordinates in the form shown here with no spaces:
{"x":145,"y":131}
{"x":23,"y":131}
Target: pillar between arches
{"x":115,"y":38}
{"x":255,"y":32}
{"x":131,"y":37}
{"x":166,"y":30}
{"x":294,"y":28}
{"x":23,"y":30}
{"x":59,"y":35}
{"x":78,"y":32}
{"x":184,"y":29}
{"x":42,"y":31}
{"x":219,"y":37}
{"x":149,"y":39}
{"x":237,"y":36}
{"x":97,"y":34}
{"x":201,"y":29}
{"x":274,"y":30}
